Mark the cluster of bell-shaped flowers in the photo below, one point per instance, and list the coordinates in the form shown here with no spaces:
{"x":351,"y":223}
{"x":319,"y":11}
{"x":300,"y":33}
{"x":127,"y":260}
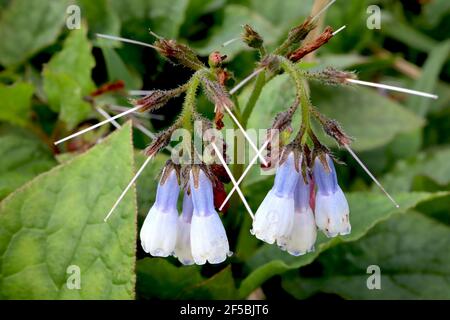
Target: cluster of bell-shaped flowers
{"x":286,"y":216}
{"x":197,"y":235}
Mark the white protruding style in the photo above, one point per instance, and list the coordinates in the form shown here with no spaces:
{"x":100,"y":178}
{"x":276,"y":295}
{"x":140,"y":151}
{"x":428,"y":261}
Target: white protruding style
{"x":393,"y":88}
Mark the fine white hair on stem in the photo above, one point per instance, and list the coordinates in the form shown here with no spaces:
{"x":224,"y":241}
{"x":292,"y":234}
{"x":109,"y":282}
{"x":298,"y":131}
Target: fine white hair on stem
{"x":370,"y":175}
{"x":322,"y":10}
{"x":107,"y":116}
{"x":222,"y":160}
{"x":139,"y":43}
{"x":244,"y":174}
{"x":393,"y":88}
{"x":250,"y":141}
{"x":98,"y":124}
{"x":339,"y":30}
{"x":130,"y":184}
{"x":243,"y":82}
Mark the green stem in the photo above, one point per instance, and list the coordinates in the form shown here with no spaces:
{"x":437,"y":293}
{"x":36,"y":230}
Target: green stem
{"x":189,"y":101}
{"x":291,"y":69}
{"x":257,"y":89}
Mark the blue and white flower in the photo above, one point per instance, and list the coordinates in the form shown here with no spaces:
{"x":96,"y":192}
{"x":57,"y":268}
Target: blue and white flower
{"x":304,"y":230}
{"x":159,"y":231}
{"x":274,"y":217}
{"x":209,"y":242}
{"x":331,"y":207}
{"x":183,"y":249}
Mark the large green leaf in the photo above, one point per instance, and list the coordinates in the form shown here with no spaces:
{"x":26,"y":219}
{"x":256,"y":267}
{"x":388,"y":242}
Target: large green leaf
{"x":403,"y":32}
{"x":429,"y":77}
{"x":56,"y":221}
{"x":28,"y":26}
{"x":433,"y":164}
{"x":67,"y":78}
{"x":117,"y":70}
{"x":101,"y":17}
{"x":372,"y":119}
{"x":158,"y":278}
{"x":366,"y":210}
{"x":23,"y":158}
{"x":15,"y":102}
{"x":283,"y":14}
{"x":410,"y":250}
{"x":234,"y":17}
{"x":166,"y":17}
{"x":163,"y":17}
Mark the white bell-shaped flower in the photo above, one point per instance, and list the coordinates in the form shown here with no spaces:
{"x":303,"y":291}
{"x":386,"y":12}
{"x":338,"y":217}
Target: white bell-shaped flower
{"x":209,"y":242}
{"x":159,"y":230}
{"x":331,"y":207}
{"x":274,"y":217}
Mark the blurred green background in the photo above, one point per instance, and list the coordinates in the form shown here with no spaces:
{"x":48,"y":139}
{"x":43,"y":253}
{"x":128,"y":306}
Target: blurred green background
{"x":55,"y":197}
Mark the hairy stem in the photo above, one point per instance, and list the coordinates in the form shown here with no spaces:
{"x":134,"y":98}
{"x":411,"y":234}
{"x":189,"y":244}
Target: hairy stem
{"x":257,"y":89}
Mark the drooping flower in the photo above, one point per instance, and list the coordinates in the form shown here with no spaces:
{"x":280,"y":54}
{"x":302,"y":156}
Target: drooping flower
{"x":304,"y":231}
{"x":159,"y":231}
{"x":183,"y":246}
{"x":331,"y":209}
{"x":209,"y":241}
{"x":274,"y":217}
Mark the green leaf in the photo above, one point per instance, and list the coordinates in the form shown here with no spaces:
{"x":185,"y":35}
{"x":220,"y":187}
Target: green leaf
{"x":117,"y":70}
{"x":15,"y":102}
{"x":373,"y":120}
{"x":23,"y":158}
{"x":433,"y":164}
{"x":406,"y":34}
{"x":283,"y":14}
{"x":101,"y":17}
{"x":166,"y":17}
{"x":162,"y":17}
{"x":429,"y":77}
{"x":234,"y":17}
{"x":158,"y":278}
{"x":29,"y":26}
{"x":67,"y":79}
{"x":56,"y":221}
{"x":366,"y":210}
{"x":410,"y":250}
{"x":435,"y":10}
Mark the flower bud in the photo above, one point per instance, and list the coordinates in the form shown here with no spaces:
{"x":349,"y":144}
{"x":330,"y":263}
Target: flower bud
{"x":252,"y":38}
{"x":179,"y":53}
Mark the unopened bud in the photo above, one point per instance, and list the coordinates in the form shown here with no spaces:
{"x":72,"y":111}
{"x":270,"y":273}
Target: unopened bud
{"x":334,"y":130}
{"x":161,"y":140}
{"x":323,"y":38}
{"x":252,"y":38}
{"x":300,"y":32}
{"x":179,"y":53}
{"x":216,"y":59}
